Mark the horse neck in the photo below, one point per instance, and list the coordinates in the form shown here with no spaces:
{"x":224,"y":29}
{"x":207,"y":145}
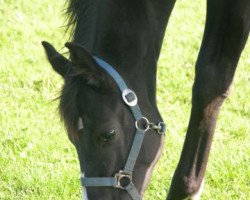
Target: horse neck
{"x":132,"y":47}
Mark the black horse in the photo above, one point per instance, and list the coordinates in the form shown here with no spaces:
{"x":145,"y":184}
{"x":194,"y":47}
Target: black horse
{"x":128,"y":35}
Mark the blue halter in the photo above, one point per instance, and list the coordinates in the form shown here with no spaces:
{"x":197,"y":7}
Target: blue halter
{"x":123,"y":179}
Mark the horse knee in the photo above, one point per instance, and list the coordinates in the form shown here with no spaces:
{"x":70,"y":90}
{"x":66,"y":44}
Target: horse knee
{"x":211,"y":87}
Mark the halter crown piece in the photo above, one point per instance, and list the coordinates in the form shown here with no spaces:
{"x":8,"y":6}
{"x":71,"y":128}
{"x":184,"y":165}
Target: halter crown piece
{"x":123,"y":178}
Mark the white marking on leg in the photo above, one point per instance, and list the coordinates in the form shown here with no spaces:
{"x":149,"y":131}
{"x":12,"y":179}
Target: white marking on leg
{"x":197,"y":196}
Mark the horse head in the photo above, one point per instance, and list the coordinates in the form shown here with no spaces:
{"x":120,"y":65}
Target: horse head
{"x":101,"y":126}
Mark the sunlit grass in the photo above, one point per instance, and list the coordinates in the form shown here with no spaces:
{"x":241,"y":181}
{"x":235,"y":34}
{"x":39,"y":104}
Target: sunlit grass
{"x":36,"y":159}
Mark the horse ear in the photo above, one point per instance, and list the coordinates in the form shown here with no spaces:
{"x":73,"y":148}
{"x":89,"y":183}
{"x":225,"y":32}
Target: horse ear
{"x":59,"y":63}
{"x":85,"y":64}
{"x":80,"y":56}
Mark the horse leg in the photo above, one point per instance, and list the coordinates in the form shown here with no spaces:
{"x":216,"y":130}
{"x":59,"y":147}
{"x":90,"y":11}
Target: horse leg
{"x":226,"y":31}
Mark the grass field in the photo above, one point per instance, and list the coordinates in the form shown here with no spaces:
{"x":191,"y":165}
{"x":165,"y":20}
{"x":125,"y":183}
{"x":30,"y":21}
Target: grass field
{"x":36,"y":159}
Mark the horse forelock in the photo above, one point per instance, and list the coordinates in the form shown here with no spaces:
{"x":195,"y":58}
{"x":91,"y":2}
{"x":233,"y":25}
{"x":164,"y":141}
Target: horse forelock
{"x":70,"y":95}
{"x":68,"y":106}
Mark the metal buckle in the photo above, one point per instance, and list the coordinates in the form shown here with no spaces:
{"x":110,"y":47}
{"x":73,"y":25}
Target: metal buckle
{"x":163,"y":128}
{"x":140,"y":126}
{"x":129,"y":97}
{"x":122,"y":179}
{"x":145,"y":125}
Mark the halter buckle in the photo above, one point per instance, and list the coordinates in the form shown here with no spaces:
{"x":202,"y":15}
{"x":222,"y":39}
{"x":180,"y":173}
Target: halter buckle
{"x":129,"y":97}
{"x":122,"y":179}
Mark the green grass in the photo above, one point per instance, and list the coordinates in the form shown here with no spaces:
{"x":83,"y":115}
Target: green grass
{"x":36,"y":159}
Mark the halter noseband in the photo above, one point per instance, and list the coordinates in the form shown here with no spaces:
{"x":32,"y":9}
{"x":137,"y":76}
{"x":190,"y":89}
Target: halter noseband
{"x":123,"y":178}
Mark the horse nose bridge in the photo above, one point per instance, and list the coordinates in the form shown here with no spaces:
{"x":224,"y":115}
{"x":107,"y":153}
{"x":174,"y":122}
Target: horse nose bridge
{"x":108,"y":112}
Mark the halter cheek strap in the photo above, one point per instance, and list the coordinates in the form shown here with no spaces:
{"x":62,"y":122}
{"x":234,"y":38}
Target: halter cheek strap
{"x":123,"y":179}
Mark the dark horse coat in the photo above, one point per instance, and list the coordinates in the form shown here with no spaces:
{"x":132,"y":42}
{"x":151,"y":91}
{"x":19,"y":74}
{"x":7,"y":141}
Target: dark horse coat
{"x":128,"y":35}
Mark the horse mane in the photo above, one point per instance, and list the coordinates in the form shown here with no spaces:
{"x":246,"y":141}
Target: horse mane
{"x":76,"y":15}
{"x":74,"y":10}
{"x":79,"y":16}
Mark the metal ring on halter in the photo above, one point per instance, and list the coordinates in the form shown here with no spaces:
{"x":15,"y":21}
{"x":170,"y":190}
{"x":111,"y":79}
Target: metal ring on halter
{"x":122,"y":179}
{"x":140,"y":128}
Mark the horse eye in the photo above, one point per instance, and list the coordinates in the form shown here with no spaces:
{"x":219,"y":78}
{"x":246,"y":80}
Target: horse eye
{"x":108,"y":135}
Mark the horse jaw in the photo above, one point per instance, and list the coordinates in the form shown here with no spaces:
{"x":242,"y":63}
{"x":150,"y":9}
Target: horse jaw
{"x":150,"y":169}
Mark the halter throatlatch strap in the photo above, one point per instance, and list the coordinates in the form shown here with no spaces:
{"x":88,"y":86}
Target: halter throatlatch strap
{"x":123,"y":179}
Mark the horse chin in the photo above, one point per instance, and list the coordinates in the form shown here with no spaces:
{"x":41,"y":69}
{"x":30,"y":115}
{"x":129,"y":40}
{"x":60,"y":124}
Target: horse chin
{"x":146,"y":180}
{"x":150,"y":169}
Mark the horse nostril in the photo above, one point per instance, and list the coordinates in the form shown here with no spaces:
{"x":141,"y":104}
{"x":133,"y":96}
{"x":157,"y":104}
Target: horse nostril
{"x":108,"y":135}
